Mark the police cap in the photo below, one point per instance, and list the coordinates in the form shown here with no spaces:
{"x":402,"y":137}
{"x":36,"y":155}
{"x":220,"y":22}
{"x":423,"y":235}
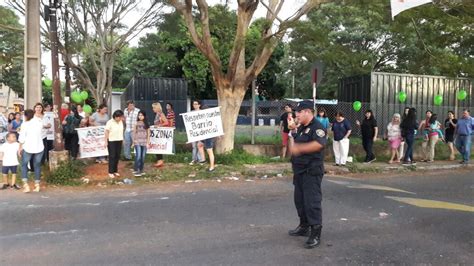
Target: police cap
{"x":306,"y":104}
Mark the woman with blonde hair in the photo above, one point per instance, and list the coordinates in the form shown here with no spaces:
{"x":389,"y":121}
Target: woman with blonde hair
{"x":394,"y":136}
{"x":160,"y":121}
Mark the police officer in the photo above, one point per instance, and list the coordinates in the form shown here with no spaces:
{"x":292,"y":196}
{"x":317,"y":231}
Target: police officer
{"x":307,"y":160}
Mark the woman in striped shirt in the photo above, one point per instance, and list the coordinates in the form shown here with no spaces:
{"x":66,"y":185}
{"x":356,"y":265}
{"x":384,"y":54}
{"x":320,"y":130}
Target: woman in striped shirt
{"x":170,"y":115}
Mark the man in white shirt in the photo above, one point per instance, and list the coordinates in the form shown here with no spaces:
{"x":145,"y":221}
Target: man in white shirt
{"x":130,"y":116}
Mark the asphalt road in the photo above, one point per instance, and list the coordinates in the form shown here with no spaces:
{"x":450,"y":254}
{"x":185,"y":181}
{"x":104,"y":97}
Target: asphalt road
{"x":366,"y":220}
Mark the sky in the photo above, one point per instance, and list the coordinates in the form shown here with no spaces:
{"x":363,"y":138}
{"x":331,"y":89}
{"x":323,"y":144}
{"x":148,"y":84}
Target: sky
{"x":288,"y":9}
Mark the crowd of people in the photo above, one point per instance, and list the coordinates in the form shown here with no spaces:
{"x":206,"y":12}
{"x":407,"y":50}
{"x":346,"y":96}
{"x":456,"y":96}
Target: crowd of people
{"x":400,"y":134}
{"x":26,"y":136}
{"x":127,"y":129}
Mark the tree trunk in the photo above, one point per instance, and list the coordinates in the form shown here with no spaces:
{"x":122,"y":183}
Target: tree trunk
{"x":230,"y":100}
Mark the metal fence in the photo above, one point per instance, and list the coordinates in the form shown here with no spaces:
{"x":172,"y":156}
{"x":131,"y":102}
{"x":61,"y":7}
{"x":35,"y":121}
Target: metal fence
{"x":268,"y":114}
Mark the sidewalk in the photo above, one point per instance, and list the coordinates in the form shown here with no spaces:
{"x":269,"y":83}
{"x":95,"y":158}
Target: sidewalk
{"x":375,"y":167}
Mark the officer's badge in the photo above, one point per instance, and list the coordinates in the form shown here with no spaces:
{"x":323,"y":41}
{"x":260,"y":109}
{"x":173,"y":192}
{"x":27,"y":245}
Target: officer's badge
{"x":320,"y":133}
{"x":307,"y":130}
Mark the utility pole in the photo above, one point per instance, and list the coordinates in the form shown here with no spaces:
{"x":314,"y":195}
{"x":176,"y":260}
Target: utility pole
{"x":33,"y":90}
{"x":53,"y":36}
{"x":66,"y":46}
{"x":252,"y":128}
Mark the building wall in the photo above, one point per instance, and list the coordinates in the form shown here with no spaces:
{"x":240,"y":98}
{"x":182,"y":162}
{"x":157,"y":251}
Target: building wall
{"x":8,"y":100}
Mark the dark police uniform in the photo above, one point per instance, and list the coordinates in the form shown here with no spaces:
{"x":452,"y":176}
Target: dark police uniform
{"x":308,"y":171}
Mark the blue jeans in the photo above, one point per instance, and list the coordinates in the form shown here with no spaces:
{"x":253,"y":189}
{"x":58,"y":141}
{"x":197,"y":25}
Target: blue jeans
{"x":127,"y":143}
{"x":196,"y":156}
{"x":25,"y":159}
{"x":140,"y":153}
{"x":463,"y":144}
{"x":409,"y":140}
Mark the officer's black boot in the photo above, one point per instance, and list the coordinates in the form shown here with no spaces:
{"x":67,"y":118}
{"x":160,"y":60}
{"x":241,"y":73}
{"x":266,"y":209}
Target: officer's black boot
{"x":301,"y":230}
{"x":314,"y":237}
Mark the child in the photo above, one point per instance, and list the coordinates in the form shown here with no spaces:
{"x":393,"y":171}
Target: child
{"x":141,"y":139}
{"x":10,"y":151}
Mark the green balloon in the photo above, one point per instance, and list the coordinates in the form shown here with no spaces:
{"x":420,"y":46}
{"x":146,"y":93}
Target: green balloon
{"x":462,"y":94}
{"x":47,"y":82}
{"x":438,"y":100}
{"x":87,"y":108}
{"x":84,"y":95}
{"x":402,"y":96}
{"x":76,"y":97}
{"x":357,"y":105}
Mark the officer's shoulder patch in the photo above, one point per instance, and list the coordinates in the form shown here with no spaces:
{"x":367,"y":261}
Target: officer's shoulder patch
{"x":320,"y":133}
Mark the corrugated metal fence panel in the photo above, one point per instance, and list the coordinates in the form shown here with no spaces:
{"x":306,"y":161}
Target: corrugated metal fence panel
{"x":146,"y":91}
{"x":356,"y":88}
{"x":420,"y":91}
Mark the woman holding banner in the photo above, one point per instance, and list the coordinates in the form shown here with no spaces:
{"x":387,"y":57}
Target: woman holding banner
{"x":197,"y":157}
{"x":98,"y":119}
{"x":70,"y":123}
{"x":207,"y":144}
{"x":113,"y":141}
{"x":160,"y":121}
{"x":48,"y":122}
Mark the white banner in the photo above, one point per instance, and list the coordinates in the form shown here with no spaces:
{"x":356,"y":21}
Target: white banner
{"x":203,"y":124}
{"x":49,"y":119}
{"x":161,"y":140}
{"x":399,"y":6}
{"x":92,"y":142}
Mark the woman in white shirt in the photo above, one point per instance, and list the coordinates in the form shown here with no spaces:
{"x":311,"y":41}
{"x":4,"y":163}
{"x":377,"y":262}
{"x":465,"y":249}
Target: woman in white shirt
{"x":31,"y":145}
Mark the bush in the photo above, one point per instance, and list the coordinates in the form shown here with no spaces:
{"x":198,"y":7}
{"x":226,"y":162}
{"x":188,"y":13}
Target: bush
{"x":68,"y":173}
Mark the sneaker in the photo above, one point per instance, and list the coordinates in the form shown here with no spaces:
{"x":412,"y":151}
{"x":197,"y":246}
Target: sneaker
{"x":5,"y":186}
{"x":202,"y":162}
{"x":406,"y":163}
{"x":373,"y":160}
{"x":116,"y":174}
{"x":26,"y":188}
{"x":37,"y":188}
{"x":336,"y":164}
{"x":111,"y":176}
{"x":413,"y":163}
{"x":97,"y":161}
{"x":192,"y":162}
{"x":137,"y":174}
{"x":16,"y":187}
{"x":211,"y":169}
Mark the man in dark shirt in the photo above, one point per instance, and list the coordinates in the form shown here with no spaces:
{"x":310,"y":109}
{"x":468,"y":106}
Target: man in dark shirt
{"x":288,"y":115}
{"x":308,"y":169}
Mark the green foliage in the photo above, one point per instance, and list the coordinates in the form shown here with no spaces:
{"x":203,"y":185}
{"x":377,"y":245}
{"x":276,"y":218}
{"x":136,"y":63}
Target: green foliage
{"x":11,"y":51}
{"x":170,"y":53}
{"x":358,"y":36}
{"x":240,"y":157}
{"x":68,"y":174}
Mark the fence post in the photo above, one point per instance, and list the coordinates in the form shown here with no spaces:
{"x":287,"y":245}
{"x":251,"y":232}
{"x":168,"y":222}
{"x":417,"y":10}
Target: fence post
{"x":253,"y":113}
